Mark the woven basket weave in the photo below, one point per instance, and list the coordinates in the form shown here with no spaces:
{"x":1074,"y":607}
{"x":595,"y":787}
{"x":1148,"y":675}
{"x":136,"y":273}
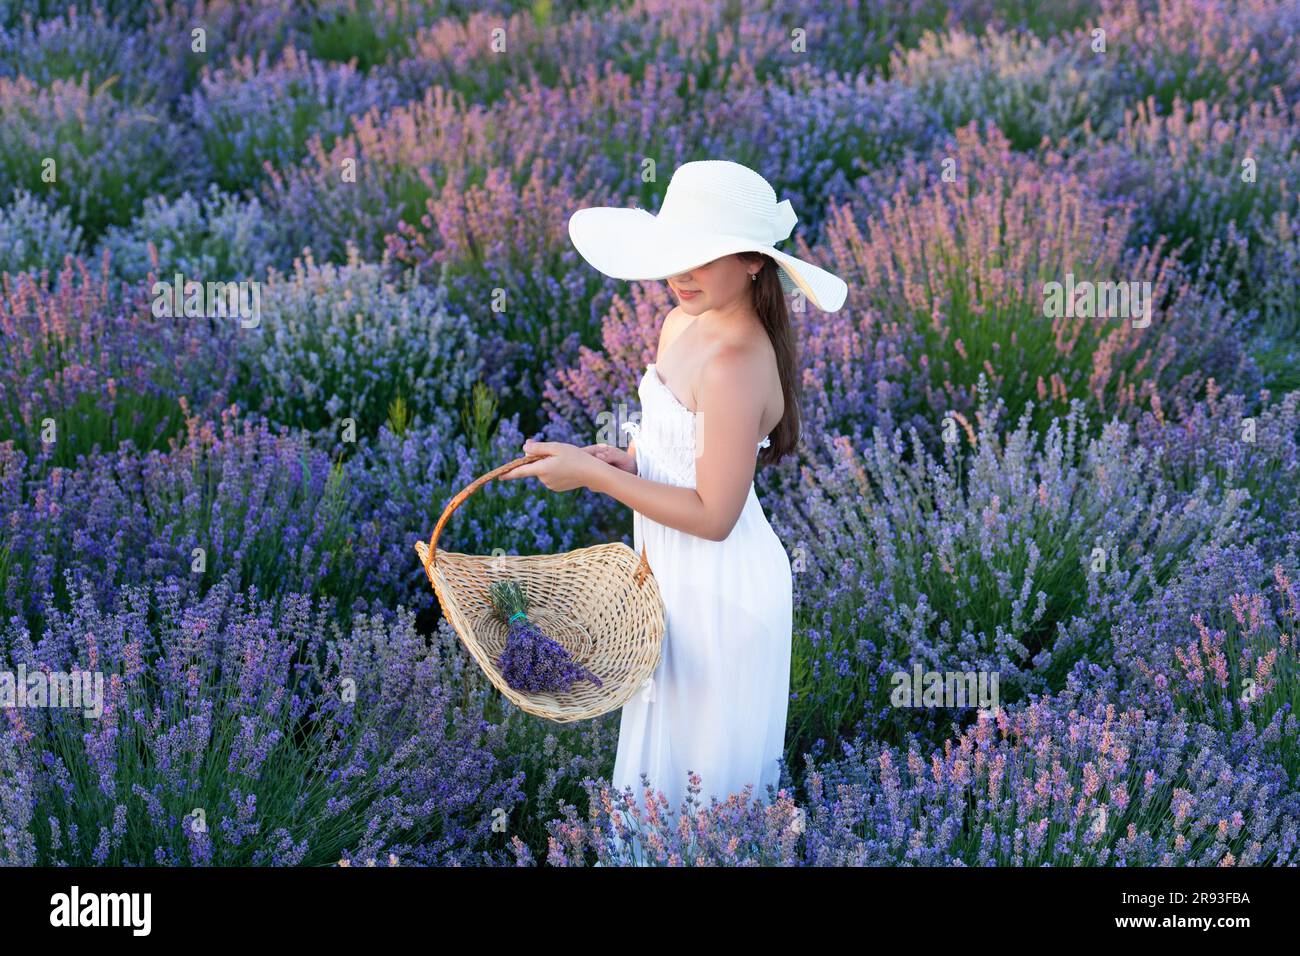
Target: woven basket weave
{"x":601,"y":603}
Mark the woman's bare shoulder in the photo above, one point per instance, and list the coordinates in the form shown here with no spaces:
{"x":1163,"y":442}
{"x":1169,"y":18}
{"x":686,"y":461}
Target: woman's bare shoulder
{"x":674,"y":323}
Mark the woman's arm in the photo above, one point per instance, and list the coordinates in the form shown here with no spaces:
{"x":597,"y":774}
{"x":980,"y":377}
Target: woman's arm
{"x":680,"y":508}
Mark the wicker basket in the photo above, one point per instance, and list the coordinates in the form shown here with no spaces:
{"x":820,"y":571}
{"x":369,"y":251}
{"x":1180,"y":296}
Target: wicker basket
{"x":601,"y":603}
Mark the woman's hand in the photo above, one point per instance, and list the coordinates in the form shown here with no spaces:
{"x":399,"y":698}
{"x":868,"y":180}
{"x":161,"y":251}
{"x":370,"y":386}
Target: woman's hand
{"x":564,"y":468}
{"x":617,"y":457}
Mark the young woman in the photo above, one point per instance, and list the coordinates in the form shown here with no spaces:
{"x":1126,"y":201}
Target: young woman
{"x":723,"y":389}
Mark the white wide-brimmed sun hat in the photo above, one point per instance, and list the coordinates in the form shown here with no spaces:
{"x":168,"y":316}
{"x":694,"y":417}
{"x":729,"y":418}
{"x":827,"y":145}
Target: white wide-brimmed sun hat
{"x":712,"y":208}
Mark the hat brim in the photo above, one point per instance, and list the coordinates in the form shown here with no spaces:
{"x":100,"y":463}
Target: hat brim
{"x":636,"y":244}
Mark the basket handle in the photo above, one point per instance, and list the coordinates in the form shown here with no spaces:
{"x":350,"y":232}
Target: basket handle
{"x":478,"y":483}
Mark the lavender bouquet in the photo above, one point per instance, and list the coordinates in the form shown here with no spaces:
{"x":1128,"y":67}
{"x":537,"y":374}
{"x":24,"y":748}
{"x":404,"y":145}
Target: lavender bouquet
{"x":531,"y":661}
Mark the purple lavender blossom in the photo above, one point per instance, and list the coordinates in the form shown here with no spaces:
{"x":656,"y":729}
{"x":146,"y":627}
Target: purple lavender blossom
{"x":532,"y":660}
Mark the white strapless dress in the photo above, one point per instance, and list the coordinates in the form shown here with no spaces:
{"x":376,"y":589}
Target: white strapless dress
{"x":716,"y":704}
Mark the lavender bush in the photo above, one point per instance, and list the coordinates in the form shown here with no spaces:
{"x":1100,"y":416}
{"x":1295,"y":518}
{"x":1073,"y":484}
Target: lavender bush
{"x":214,"y":235}
{"x":704,"y":49}
{"x":925,"y":262}
{"x":1191,"y":50}
{"x":622,"y":831}
{"x":111,"y":154}
{"x":1223,"y":651}
{"x":340,"y":342}
{"x":35,"y":235}
{"x":1203,"y":168}
{"x":484,"y":244}
{"x":1067,"y":782}
{"x":126,"y":12}
{"x":85,"y":363}
{"x":862,"y":125}
{"x":1032,"y":89}
{"x":1230,"y":442}
{"x":256,"y":111}
{"x":236,"y":731}
{"x":235,"y":28}
{"x":1014,"y":561}
{"x":367,"y":31}
{"x":72,"y":44}
{"x":389,"y":158}
{"x":234,"y":497}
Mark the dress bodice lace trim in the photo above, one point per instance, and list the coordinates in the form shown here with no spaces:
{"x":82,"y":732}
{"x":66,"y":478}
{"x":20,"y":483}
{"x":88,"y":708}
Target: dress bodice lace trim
{"x":667,"y":428}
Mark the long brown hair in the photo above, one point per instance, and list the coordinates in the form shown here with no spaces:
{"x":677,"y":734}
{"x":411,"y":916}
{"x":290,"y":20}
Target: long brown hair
{"x":774,"y":312}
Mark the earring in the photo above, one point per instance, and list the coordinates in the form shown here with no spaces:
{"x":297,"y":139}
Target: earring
{"x":753,"y":277}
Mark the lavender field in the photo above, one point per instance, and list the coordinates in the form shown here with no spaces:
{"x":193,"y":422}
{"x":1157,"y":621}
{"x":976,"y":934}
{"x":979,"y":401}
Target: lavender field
{"x":280,"y":279}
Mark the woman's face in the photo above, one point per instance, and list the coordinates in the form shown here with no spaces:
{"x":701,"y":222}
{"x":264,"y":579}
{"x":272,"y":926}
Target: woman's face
{"x":714,"y":285}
